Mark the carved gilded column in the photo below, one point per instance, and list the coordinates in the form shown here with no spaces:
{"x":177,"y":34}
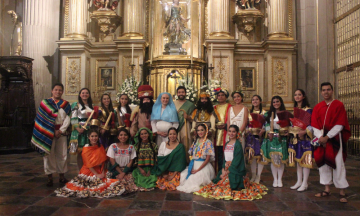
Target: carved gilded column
{"x":219,"y":18}
{"x":134,"y":15}
{"x":78,"y":15}
{"x":40,"y":31}
{"x":278,"y":13}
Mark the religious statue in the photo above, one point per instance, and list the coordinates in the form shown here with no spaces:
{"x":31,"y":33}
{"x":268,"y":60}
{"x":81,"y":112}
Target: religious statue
{"x":18,"y":29}
{"x":176,"y":32}
{"x":247,"y":4}
{"x":105,"y":5}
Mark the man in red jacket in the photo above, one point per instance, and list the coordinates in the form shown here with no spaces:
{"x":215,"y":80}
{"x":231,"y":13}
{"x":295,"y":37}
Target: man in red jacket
{"x":331,"y":127}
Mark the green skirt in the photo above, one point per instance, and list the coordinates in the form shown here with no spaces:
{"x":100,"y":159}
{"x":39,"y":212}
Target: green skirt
{"x":82,"y":139}
{"x":275,"y":151}
{"x":144,"y":181}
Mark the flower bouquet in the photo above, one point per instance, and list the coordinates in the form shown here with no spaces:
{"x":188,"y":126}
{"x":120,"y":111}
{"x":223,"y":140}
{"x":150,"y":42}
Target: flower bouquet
{"x":191,"y":92}
{"x":129,"y":87}
{"x":210,"y":89}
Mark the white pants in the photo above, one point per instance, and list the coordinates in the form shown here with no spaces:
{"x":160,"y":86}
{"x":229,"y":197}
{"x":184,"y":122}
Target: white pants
{"x":337,"y":176}
{"x":56,"y":161}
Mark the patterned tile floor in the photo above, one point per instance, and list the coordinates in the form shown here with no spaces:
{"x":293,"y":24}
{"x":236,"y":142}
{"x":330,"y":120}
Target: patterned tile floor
{"x":23,"y":192}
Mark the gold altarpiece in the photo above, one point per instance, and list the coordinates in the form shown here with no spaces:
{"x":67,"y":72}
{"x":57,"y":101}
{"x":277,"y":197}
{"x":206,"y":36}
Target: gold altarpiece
{"x":253,"y":49}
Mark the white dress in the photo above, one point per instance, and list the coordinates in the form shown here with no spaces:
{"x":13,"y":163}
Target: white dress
{"x":239,"y":121}
{"x":162,"y":126}
{"x":204,"y":176}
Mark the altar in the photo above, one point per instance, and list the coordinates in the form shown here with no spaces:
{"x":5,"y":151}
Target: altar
{"x":247,"y":45}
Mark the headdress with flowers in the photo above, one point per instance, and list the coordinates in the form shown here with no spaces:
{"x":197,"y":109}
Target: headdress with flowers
{"x":222,"y":90}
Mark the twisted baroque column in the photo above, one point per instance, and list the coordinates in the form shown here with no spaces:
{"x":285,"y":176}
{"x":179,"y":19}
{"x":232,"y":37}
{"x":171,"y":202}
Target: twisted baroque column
{"x":77,"y":19}
{"x":134,"y":16}
{"x":219,"y":18}
{"x":40,"y":31}
{"x":278,"y":12}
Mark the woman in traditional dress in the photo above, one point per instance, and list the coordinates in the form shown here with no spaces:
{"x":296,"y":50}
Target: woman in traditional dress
{"x":200,"y":172}
{"x":80,"y":112}
{"x":238,"y":115}
{"x":104,"y":112}
{"x":163,"y":117}
{"x":302,"y":149}
{"x":146,"y":151}
{"x":122,"y":156}
{"x":171,"y":161}
{"x":274,"y":148}
{"x":92,"y":181}
{"x":231,"y":183}
{"x":253,"y":140}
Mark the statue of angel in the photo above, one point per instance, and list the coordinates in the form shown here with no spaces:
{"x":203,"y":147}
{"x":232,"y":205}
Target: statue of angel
{"x":105,"y":4}
{"x":247,"y":4}
{"x":176,"y":32}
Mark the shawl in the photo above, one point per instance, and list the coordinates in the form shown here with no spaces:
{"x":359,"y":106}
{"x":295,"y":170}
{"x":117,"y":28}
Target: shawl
{"x":169,"y":114}
{"x":336,"y":115}
{"x":93,"y":156}
{"x":189,"y":108}
{"x":237,"y":168}
{"x":137,"y":138}
{"x":44,"y":128}
{"x":173,"y":162}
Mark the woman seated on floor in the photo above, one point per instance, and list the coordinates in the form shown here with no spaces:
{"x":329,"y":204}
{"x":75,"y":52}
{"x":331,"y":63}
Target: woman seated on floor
{"x":231,"y":183}
{"x":122,"y":156}
{"x":146,"y":152}
{"x":199,"y":172}
{"x":91,"y":181}
{"x":171,"y":161}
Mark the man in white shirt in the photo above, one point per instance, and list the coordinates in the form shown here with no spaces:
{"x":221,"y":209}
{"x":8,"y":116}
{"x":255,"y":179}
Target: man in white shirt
{"x":49,"y":135}
{"x":331,"y":127}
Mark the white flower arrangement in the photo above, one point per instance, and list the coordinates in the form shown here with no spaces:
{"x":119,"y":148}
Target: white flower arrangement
{"x":210,"y":87}
{"x":191,"y":92}
{"x":129,"y":87}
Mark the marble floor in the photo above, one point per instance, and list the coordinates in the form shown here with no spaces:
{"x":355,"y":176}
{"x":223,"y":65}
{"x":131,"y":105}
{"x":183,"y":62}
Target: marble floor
{"x":23,"y":192}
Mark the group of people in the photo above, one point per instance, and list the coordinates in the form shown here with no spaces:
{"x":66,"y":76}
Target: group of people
{"x":175,"y":145}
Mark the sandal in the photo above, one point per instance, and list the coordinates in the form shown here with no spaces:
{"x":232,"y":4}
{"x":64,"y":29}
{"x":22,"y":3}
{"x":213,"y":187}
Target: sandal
{"x":343,"y":198}
{"x":323,"y":194}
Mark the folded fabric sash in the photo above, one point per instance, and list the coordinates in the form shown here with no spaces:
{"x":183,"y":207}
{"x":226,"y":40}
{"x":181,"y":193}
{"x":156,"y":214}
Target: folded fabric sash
{"x":191,"y":165}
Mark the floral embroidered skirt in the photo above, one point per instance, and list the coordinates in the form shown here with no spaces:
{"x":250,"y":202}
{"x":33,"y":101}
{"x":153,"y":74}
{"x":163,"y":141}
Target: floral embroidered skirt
{"x":222,"y":190}
{"x":275,"y":151}
{"x":252,"y":148}
{"x":164,"y":184}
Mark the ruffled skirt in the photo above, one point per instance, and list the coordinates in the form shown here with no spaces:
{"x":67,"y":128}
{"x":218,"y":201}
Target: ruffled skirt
{"x":222,"y":190}
{"x":164,"y":184}
{"x":195,"y":181}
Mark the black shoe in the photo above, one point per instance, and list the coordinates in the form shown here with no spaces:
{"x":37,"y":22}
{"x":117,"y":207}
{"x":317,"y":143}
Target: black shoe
{"x":50,"y":183}
{"x":63,"y":180}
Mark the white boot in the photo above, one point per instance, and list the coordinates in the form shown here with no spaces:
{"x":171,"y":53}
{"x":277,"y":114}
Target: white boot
{"x":259,"y":171}
{"x":274,"y":171}
{"x":299,"y":177}
{"x":280,"y":174}
{"x":304,"y":185}
{"x":253,"y":170}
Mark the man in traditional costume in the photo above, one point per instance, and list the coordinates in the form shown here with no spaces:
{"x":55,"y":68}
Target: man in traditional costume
{"x":140,"y":116}
{"x":49,"y":134}
{"x":204,"y":114}
{"x":331,"y":128}
{"x":221,"y":109}
{"x":184,"y":109}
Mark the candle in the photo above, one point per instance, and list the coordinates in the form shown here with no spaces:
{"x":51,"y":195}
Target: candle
{"x":211,"y":54}
{"x":132,"y":54}
{"x":151,"y":50}
{"x":191,"y":44}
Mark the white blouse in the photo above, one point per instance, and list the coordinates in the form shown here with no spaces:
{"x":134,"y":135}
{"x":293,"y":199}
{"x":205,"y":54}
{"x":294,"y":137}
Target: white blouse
{"x":229,"y":152}
{"x":121,"y":156}
{"x":163,"y":151}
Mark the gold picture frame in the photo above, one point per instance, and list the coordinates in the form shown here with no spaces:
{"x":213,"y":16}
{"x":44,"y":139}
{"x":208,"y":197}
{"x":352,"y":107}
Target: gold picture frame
{"x":107,"y":77}
{"x":247,"y":78}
